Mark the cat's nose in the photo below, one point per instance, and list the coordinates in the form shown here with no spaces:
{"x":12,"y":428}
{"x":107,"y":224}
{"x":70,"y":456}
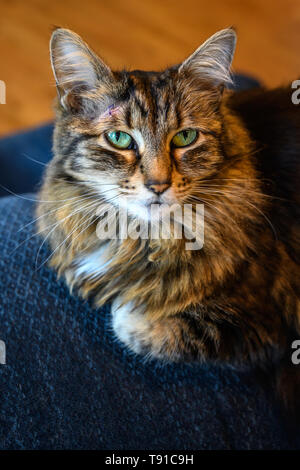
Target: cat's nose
{"x":158,"y":187}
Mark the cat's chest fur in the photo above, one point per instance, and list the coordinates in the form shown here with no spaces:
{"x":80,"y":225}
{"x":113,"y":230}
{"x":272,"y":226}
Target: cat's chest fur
{"x":93,"y":264}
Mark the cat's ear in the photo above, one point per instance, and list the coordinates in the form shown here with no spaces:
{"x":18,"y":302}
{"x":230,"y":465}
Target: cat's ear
{"x":212,"y":60}
{"x":78,"y":71}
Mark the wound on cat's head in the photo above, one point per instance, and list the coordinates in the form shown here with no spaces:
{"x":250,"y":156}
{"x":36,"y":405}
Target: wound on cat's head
{"x":150,"y":135}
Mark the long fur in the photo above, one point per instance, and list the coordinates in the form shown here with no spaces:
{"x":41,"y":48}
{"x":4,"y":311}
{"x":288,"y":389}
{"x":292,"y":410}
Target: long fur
{"x":235,"y":301}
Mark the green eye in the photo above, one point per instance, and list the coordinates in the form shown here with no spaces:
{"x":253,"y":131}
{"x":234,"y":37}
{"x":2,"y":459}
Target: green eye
{"x":184,"y":138}
{"x":119,"y":139}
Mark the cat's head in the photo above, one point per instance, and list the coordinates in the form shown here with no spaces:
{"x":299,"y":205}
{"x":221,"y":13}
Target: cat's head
{"x":134,"y":137}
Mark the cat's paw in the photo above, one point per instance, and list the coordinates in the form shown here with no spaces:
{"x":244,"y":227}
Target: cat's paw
{"x":153,"y":339}
{"x":131,"y":326}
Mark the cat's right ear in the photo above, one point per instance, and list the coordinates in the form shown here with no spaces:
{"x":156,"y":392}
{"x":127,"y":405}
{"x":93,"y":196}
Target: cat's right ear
{"x":78,"y":71}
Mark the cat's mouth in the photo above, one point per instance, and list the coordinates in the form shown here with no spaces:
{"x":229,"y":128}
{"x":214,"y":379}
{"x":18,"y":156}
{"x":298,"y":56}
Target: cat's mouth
{"x":148,"y":210}
{"x":157,"y":201}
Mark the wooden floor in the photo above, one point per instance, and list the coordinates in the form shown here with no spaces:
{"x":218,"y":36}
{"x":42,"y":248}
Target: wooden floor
{"x":139,"y":34}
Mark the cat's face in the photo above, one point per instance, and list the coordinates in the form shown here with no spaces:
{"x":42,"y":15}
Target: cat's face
{"x":140,"y":138}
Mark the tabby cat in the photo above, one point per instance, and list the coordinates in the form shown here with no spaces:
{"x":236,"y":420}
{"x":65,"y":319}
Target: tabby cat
{"x":134,"y":139}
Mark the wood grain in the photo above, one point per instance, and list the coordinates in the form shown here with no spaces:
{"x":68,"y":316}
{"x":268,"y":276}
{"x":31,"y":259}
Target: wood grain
{"x":146,"y":34}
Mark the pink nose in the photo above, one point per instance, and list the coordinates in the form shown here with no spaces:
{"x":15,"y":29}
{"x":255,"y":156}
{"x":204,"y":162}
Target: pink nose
{"x":158,"y":187}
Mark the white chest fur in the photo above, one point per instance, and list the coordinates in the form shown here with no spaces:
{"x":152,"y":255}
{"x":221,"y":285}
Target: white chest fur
{"x":93,"y":264}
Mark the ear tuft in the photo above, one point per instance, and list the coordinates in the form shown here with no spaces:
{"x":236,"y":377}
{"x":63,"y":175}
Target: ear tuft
{"x":212,"y":60}
{"x":75,"y":66}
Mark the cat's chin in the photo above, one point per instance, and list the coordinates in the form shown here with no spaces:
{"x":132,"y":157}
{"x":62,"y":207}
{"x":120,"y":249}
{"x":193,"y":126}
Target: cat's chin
{"x":146,"y":212}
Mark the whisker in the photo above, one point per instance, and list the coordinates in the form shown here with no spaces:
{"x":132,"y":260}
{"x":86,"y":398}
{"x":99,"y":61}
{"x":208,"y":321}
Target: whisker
{"x":249,"y":191}
{"x":33,"y":235}
{"x":81,"y":197}
{"x":244,"y":200}
{"x":74,"y":200}
{"x":33,"y":159}
{"x":204,"y":201}
{"x":86,"y":182}
{"x":89,"y":195}
{"x":63,"y":220}
{"x":92,"y":206}
{"x":64,"y":241}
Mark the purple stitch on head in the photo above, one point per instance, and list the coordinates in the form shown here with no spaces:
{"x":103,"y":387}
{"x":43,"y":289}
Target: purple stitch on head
{"x":110,"y":111}
{"x":113,"y":110}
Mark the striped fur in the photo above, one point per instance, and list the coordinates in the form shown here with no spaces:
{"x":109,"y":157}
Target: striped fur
{"x":237,"y":299}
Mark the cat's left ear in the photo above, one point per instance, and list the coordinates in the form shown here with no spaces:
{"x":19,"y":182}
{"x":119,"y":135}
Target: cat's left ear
{"x":212,"y":60}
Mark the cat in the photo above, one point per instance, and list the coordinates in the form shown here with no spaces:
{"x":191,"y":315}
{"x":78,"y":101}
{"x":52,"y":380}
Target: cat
{"x":129,"y":139}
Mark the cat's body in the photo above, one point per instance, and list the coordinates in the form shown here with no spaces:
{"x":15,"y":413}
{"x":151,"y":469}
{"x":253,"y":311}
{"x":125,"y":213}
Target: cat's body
{"x":235,"y":301}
